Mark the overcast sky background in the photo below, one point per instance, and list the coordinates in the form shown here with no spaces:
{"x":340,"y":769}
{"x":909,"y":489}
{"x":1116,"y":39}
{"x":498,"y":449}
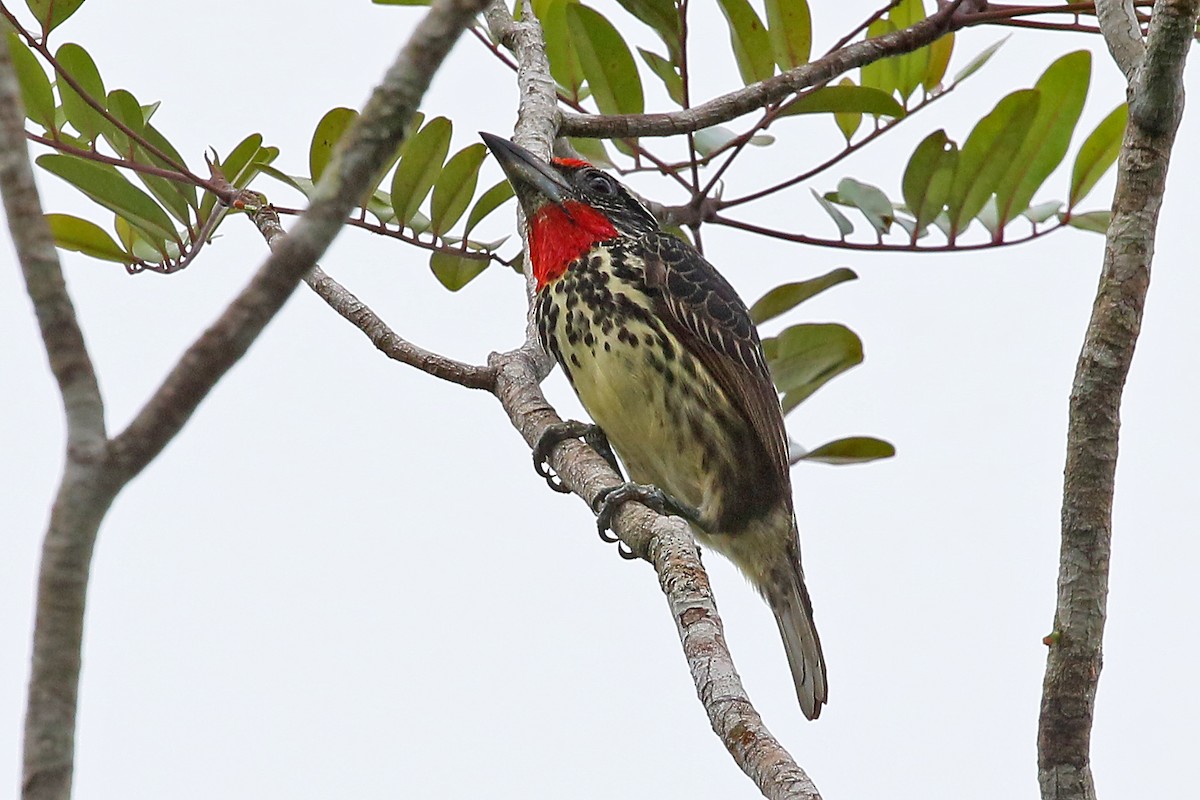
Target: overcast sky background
{"x":343,"y":579}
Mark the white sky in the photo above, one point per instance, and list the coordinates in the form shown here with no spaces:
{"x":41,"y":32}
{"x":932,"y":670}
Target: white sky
{"x":344,"y":579}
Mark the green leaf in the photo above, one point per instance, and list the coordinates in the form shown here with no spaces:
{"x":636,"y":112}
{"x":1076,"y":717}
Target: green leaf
{"x":154,"y":137}
{"x":238,"y":162}
{"x":85,"y":119}
{"x":607,"y":63}
{"x":986,"y":155}
{"x":851,"y":450}
{"x":883,"y":74}
{"x":1097,"y":153}
{"x":488,"y":202}
{"x":844,"y":98}
{"x":36,"y":93}
{"x":564,"y":62}
{"x":52,"y":13}
{"x":329,"y":130}
{"x":710,"y":140}
{"x":1095,"y":221}
{"x":789,"y":25}
{"x":592,"y":151}
{"x":927,"y":178}
{"x":109,"y":188}
{"x":419,"y":167}
{"x":663,"y":18}
{"x":939,"y":59}
{"x":82,"y":236}
{"x":976,"y":63}
{"x":125,"y":108}
{"x":847,"y":121}
{"x":667,"y":72}
{"x":784,"y":298}
{"x":868,"y":199}
{"x":1063,"y":87}
{"x":455,"y":187}
{"x":455,"y":271}
{"x":845,"y":226}
{"x":803,"y":358}
{"x":750,"y":40}
{"x":911,"y":68}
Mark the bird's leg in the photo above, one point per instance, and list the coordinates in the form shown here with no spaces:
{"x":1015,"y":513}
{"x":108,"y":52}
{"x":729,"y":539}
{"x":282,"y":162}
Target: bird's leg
{"x":560,"y":432}
{"x":609,"y":500}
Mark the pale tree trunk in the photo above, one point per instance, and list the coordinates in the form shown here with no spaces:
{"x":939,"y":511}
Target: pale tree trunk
{"x":1155,"y":71}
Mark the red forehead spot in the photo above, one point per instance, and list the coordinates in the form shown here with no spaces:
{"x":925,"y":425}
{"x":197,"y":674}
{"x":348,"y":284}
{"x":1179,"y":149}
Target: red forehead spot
{"x":560,"y":234}
{"x":573,"y":163}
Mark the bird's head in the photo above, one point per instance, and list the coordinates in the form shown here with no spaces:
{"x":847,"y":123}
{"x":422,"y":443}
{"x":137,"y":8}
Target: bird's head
{"x":570,"y":206}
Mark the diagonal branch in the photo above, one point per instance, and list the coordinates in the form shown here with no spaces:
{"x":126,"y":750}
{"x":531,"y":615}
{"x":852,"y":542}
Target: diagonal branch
{"x":362,"y":317}
{"x":97,"y":469}
{"x":666,"y":542}
{"x":367,"y":146}
{"x":758,"y":95}
{"x":1075,"y":654}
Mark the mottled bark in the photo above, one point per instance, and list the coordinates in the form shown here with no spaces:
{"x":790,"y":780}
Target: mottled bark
{"x":1075,"y":658}
{"x":97,"y":468}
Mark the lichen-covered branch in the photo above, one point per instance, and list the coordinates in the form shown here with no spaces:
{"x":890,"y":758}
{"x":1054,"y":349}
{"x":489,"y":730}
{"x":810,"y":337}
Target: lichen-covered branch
{"x":1075,"y":657}
{"x":1122,"y":33}
{"x":666,"y":542}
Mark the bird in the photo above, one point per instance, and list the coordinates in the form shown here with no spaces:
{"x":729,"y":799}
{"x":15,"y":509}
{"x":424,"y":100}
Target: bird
{"x":666,"y":360}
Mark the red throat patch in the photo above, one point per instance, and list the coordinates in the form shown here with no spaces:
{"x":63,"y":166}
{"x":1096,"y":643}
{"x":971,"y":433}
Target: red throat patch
{"x":560,"y":234}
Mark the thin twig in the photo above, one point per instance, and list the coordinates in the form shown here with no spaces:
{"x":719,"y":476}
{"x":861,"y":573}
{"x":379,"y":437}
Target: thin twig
{"x":362,"y":317}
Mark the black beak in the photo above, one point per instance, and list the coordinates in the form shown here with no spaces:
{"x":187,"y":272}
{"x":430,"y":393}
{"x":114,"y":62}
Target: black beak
{"x":534,"y":181}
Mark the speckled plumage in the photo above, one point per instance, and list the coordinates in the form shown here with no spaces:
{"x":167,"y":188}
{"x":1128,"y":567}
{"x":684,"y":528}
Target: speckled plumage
{"x":665,"y":358}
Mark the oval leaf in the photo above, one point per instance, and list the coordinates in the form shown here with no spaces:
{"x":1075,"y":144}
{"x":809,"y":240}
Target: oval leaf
{"x":986,"y":155}
{"x":607,"y":62}
{"x":36,"y":93}
{"x":488,"y":202}
{"x":784,"y":298}
{"x":564,"y":61}
{"x":927,"y":178}
{"x":109,"y":188}
{"x":663,"y":18}
{"x":419,"y":167}
{"x":82,"y":236}
{"x":844,"y":97}
{"x":870,"y":200}
{"x":789,"y":26}
{"x":1097,"y":153}
{"x":803,"y":358}
{"x":851,"y":450}
{"x":1063,"y":87}
{"x":976,"y":63}
{"x":329,"y":130}
{"x":454,"y":271}
{"x":79,"y":65}
{"x":455,"y":187}
{"x":667,"y":72}
{"x":52,"y":13}
{"x":750,"y":40}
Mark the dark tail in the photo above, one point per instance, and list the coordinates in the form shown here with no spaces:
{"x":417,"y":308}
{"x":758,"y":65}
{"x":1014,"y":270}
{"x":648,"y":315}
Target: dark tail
{"x":793,"y":613}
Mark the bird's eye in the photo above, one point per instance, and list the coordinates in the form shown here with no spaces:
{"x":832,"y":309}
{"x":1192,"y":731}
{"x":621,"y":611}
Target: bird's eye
{"x":599,"y":183}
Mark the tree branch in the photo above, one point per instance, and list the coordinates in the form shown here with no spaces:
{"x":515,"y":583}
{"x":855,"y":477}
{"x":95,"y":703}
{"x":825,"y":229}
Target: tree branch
{"x":758,"y":95}
{"x":97,"y":469}
{"x":362,"y":317}
{"x":84,"y":493}
{"x":366,"y":146}
{"x":666,"y":542}
{"x":1122,"y":34}
{"x":1075,"y":657}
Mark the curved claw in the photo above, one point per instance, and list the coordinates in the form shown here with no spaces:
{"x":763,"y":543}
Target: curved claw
{"x":609,"y":500}
{"x":560,"y":432}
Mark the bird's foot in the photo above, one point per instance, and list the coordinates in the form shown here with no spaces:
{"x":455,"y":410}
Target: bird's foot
{"x":611,"y":499}
{"x":560,"y":432}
